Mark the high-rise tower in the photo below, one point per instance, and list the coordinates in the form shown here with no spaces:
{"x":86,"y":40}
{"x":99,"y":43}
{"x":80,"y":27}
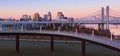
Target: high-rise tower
{"x":45,"y":18}
{"x":103,"y":18}
{"x":60,"y":15}
{"x":36,"y":17}
{"x":49,"y":16}
{"x":107,"y":17}
{"x":25,"y":16}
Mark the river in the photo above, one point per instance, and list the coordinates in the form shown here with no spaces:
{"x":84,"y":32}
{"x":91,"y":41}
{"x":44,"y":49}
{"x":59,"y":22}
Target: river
{"x":114,"y":29}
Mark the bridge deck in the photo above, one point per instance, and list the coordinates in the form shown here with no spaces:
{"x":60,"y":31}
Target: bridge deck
{"x":114,"y":44}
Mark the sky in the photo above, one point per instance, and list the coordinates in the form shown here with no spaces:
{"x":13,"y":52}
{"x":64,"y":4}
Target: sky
{"x":70,"y":8}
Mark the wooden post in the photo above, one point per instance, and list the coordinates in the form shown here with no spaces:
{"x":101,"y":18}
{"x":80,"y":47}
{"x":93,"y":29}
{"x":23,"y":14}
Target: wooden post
{"x":17,"y":43}
{"x":52,"y":43}
{"x":83,"y":48}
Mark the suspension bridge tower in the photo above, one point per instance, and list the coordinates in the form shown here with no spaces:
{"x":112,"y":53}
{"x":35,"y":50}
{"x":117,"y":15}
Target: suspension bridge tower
{"x":103,"y":17}
{"x":107,"y":18}
{"x":101,"y":25}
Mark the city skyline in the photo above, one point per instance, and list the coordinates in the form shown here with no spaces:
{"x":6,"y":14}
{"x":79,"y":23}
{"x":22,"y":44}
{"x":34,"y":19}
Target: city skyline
{"x":70,"y":8}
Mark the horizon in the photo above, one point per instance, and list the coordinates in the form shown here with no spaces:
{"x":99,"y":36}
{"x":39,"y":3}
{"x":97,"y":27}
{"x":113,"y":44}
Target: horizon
{"x":70,"y":8}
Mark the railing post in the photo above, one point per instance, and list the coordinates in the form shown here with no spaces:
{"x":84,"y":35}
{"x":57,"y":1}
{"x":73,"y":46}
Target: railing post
{"x":22,"y":28}
{"x":40,"y":28}
{"x":76,"y":31}
{"x":62,"y":23}
{"x":93,"y":32}
{"x":69,"y":24}
{"x":0,"y":27}
{"x":111,"y":37}
{"x":73,"y":24}
{"x":58,"y":29}
{"x":49,"y":24}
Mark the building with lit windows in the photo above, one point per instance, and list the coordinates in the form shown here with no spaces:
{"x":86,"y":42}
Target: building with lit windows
{"x":49,"y":16}
{"x":24,"y":16}
{"x":60,"y":15}
{"x":29,"y":18}
{"x":45,"y":18}
{"x":36,"y":17}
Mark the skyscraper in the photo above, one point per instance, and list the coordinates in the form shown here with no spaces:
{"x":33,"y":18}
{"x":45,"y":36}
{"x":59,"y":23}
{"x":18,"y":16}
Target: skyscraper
{"x":25,"y":16}
{"x":29,"y":19}
{"x":45,"y":17}
{"x":49,"y":16}
{"x":60,"y":15}
{"x":36,"y":17}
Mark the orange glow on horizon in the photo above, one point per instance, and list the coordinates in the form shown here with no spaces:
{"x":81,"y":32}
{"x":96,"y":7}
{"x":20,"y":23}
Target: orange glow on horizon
{"x":75,"y":13}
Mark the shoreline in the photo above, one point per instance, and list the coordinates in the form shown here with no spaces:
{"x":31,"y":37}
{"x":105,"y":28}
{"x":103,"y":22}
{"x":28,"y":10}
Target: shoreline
{"x":117,"y":37}
{"x":36,"y":40}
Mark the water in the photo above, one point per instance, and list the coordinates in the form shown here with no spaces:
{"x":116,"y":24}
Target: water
{"x":31,"y":48}
{"x":114,"y":29}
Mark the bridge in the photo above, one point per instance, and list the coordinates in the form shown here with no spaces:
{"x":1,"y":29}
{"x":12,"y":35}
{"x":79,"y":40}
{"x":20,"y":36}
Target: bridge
{"x":98,"y":40}
{"x":18,"y":28}
{"x":98,"y":17}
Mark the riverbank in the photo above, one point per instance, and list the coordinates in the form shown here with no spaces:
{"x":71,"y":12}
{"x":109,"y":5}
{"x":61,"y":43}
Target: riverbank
{"x":117,"y":37}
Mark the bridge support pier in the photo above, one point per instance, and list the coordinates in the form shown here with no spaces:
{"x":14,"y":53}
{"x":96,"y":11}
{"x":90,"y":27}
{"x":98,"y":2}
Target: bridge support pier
{"x":52,"y":43}
{"x":17,"y":44}
{"x":83,"y":48}
{"x":101,"y":26}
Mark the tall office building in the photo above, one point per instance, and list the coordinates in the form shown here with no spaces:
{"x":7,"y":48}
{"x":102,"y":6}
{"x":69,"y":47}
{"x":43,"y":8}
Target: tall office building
{"x":49,"y":16}
{"x":36,"y":17}
{"x":25,"y":16}
{"x":60,"y":15}
{"x":29,"y":18}
{"x":45,"y":17}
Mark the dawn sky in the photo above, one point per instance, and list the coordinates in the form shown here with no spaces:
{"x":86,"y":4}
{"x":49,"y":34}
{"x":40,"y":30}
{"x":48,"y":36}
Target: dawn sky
{"x":70,"y":8}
